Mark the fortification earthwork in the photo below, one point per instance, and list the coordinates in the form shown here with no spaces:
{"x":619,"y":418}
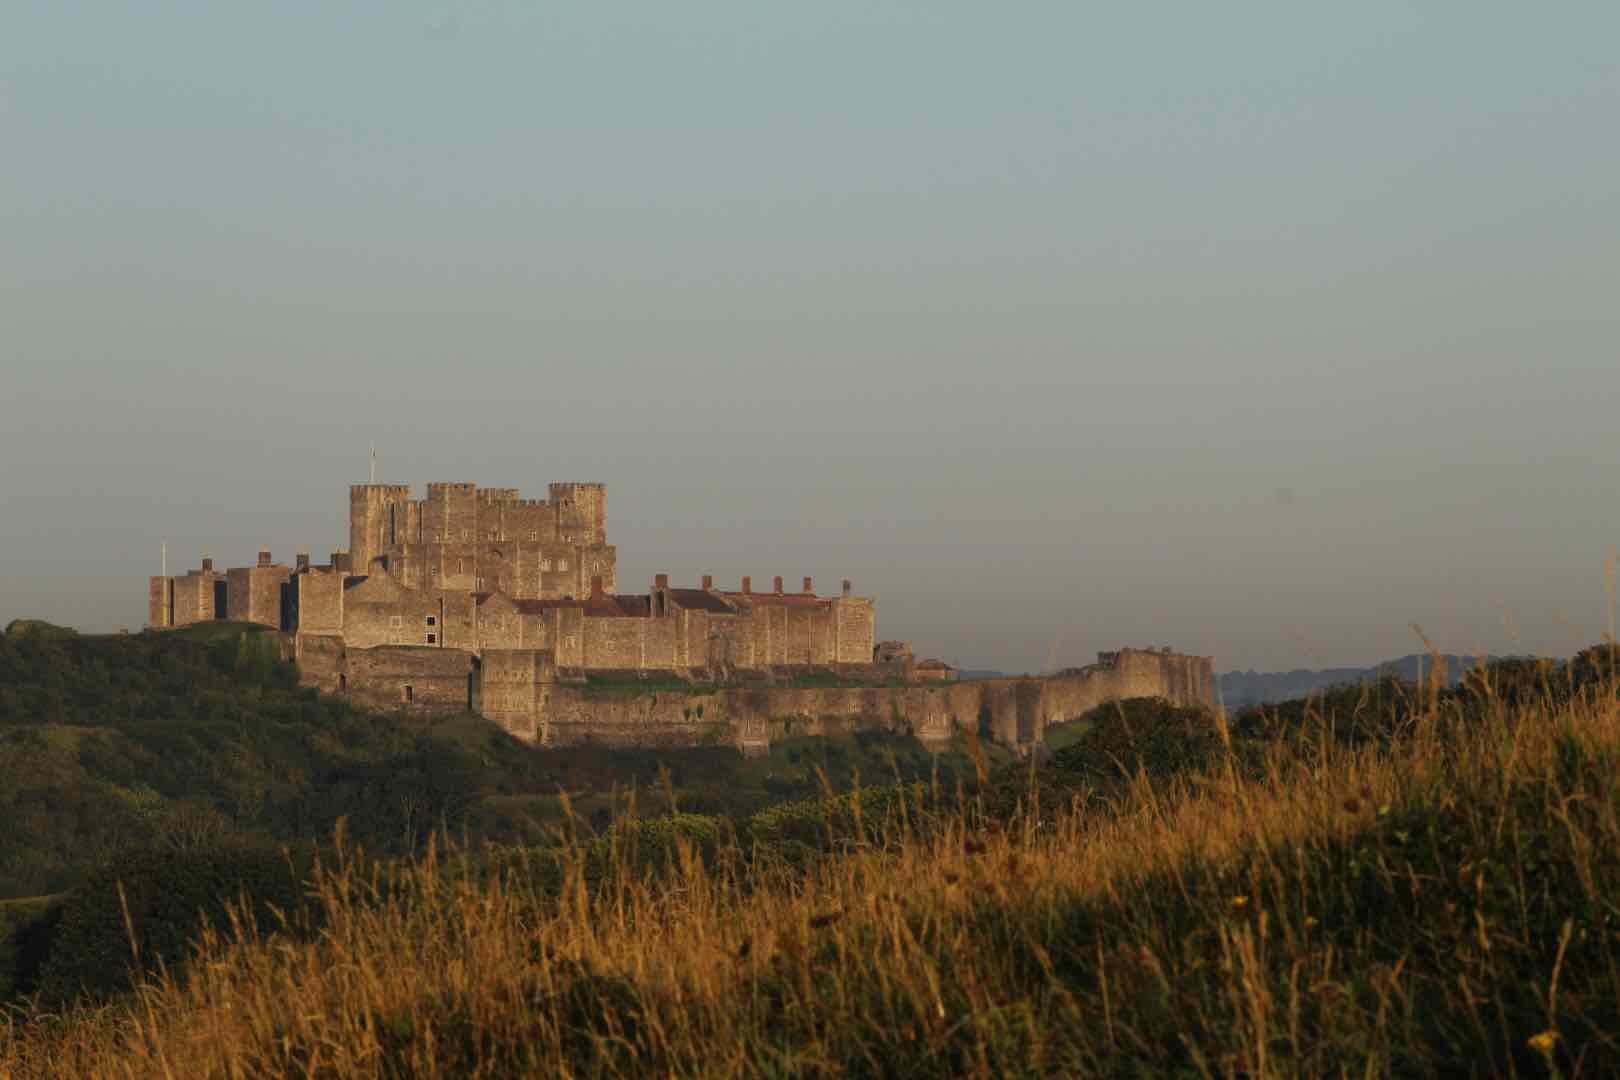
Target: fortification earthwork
{"x":477,"y":599}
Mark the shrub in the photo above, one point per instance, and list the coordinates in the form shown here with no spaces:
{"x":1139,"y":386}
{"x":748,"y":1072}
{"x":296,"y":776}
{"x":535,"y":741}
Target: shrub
{"x":140,"y":911}
{"x":796,"y":831}
{"x":1145,"y":734}
{"x":640,"y":845}
{"x":27,"y":929}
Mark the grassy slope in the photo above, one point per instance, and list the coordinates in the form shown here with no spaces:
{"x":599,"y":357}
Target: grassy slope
{"x":113,"y":742}
{"x":1434,"y":894}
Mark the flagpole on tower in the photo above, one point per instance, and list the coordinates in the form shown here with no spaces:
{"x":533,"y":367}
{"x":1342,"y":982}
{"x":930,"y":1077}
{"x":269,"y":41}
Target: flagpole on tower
{"x":373,"y":463}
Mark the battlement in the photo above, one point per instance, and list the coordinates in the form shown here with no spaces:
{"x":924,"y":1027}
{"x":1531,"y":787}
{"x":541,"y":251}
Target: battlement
{"x":576,"y":493}
{"x":396,"y":490}
{"x":450,"y":488}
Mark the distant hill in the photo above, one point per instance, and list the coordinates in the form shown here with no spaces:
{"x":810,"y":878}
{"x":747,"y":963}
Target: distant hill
{"x":1240,"y":688}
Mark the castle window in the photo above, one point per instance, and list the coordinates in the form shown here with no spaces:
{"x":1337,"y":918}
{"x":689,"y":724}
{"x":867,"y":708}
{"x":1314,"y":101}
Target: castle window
{"x":466,"y":534}
{"x":433,"y":571}
{"x":545,"y":564}
{"x":534,"y":534}
{"x":397,"y":620}
{"x":433,"y":639}
{"x":562,"y":564}
{"x":410,"y":695}
{"x":432,"y":620}
{"x":480,"y":583}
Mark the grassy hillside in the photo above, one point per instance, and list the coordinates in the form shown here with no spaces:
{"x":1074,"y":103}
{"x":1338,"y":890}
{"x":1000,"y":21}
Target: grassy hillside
{"x":183,"y":740}
{"x":1400,"y":881}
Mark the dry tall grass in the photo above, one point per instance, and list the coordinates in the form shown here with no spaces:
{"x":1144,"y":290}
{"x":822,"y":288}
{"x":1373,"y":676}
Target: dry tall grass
{"x":1444,"y":903}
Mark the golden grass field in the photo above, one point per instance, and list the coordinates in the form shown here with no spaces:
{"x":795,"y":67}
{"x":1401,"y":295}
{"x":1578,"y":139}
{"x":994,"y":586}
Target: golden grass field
{"x":1442,"y":901}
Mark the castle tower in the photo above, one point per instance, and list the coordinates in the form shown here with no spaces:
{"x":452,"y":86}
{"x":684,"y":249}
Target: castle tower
{"x":582,"y":509}
{"x":379,"y":520}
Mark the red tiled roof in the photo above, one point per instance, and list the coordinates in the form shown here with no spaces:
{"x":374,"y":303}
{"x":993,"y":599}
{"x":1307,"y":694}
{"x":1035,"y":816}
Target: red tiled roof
{"x":609,"y":605}
{"x":634,"y":607}
{"x":701,"y":600}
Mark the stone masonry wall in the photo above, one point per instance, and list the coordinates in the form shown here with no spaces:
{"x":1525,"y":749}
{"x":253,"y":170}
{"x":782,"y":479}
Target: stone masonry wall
{"x":194,"y":597}
{"x":320,"y":602}
{"x":158,"y":602}
{"x":416,"y":678}
{"x":1017,"y":712}
{"x":255,"y":593}
{"x":513,"y":688}
{"x":518,"y":689}
{"x":856,"y":629}
{"x":465,"y":538}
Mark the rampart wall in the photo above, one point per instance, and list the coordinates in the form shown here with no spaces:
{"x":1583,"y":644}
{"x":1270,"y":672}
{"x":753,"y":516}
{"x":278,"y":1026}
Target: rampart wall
{"x":523,"y":690}
{"x":1015,"y":712}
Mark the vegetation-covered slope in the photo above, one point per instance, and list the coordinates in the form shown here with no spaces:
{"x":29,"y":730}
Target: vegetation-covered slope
{"x":182,"y":740}
{"x":1398,"y":881}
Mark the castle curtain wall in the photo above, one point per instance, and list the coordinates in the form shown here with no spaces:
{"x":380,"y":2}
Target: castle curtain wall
{"x":628,"y":643}
{"x":429,"y":680}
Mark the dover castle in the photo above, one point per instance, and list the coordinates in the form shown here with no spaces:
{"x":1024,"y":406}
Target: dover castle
{"x":477,"y":599}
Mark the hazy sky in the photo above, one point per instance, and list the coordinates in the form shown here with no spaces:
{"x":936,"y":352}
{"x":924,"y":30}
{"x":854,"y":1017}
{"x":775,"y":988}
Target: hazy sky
{"x":1260,"y":330}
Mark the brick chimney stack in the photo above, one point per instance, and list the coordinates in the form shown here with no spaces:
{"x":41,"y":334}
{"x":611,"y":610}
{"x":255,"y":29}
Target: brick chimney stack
{"x":207,"y":565}
{"x":708,"y":582}
{"x":778,"y":584}
{"x":264,"y":557}
{"x":596,"y":587}
{"x":748,"y":584}
{"x":847,"y":586}
{"x":809,"y":589}
{"x":661,"y":581}
{"x":301,"y":560}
